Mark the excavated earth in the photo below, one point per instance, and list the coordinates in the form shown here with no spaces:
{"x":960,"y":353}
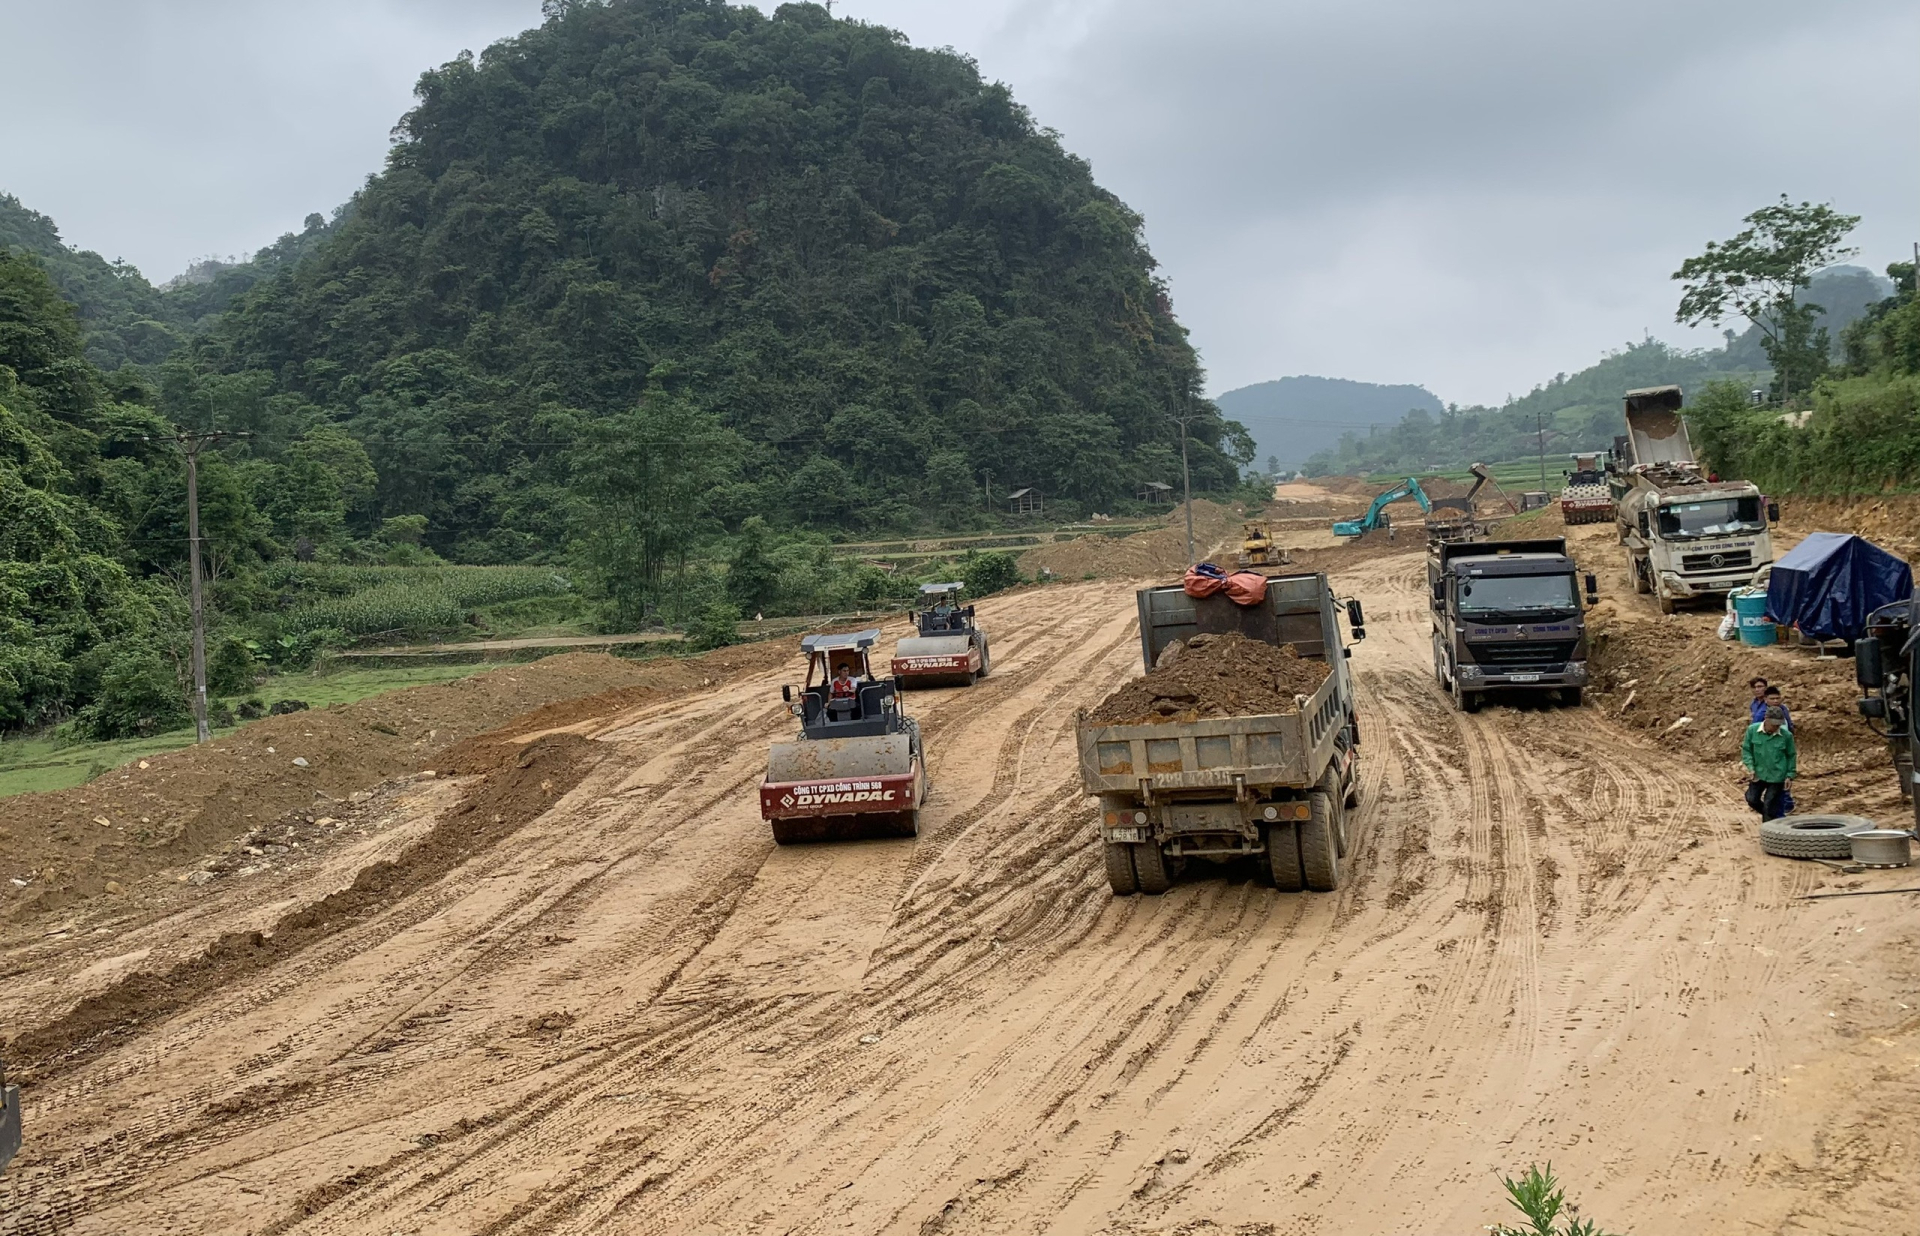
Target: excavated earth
{"x":568,"y":984}
{"x":1215,"y":676}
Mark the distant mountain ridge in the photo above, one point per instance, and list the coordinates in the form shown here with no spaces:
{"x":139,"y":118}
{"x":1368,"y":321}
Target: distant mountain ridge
{"x":1292,"y":419}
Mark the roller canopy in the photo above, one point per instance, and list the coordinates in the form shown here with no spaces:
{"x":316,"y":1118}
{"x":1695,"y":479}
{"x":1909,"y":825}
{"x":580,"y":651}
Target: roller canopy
{"x":1830,"y":582}
{"x":827,"y":643}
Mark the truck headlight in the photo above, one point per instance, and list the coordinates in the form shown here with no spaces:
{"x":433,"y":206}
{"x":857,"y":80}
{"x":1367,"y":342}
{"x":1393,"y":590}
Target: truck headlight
{"x":1471,"y":671}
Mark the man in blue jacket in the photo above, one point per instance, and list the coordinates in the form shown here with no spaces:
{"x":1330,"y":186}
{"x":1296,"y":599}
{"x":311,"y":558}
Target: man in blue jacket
{"x":1771,"y":761}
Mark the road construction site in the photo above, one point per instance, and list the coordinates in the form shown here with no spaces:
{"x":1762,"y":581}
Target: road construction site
{"x":566,"y":982}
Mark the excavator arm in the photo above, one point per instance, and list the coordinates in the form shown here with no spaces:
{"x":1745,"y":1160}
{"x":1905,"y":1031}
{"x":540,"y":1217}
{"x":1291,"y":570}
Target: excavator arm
{"x":1409,"y":488}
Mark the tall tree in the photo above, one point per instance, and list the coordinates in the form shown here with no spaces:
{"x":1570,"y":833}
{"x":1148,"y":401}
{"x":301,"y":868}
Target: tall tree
{"x":1759,"y":274}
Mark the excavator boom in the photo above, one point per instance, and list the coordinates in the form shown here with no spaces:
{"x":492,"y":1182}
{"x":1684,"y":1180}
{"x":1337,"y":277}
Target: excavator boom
{"x":1375,"y":516}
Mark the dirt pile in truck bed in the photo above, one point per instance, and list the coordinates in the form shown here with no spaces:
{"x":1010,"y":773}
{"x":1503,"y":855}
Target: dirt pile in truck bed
{"x":1214,"y":676}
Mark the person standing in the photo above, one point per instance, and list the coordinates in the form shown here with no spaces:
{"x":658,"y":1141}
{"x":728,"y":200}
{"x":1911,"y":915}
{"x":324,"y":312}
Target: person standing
{"x":1757,"y":706}
{"x":1773,"y":699}
{"x":1771,"y":760}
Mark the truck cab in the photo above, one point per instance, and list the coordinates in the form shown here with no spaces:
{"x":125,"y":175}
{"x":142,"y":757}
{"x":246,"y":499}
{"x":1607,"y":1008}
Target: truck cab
{"x":1687,"y":534}
{"x":1507,"y":615}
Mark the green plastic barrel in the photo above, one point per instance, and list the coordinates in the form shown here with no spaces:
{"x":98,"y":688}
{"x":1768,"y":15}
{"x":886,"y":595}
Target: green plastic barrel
{"x":1750,"y":613}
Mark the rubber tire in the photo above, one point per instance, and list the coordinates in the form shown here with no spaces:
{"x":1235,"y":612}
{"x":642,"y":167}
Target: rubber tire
{"x":1352,"y":800}
{"x":986,"y":662}
{"x":1812,"y":836}
{"x":1667,"y":605}
{"x":1319,"y":843}
{"x":1464,"y":700}
{"x":1283,"y":858}
{"x":913,"y":824}
{"x":1572,"y":696}
{"x":1151,"y":869}
{"x":1120,"y":869}
{"x":1640,"y":585}
{"x":784,"y":833}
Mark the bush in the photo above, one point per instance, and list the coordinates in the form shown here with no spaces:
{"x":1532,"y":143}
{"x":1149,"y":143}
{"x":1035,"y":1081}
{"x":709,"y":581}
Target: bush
{"x":717,"y":626}
{"x":231,"y":666}
{"x":985,"y":574}
{"x":139,"y":694}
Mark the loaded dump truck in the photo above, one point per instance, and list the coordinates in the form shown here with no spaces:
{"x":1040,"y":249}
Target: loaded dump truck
{"x":1507,"y":615}
{"x":1686,"y":535}
{"x":857,"y":768}
{"x":1183,"y":788}
{"x":947,"y":649}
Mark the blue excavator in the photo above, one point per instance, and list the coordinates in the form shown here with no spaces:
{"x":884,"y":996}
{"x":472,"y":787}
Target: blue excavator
{"x":1376,"y":516}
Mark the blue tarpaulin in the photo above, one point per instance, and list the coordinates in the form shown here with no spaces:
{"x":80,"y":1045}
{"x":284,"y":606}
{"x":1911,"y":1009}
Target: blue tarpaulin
{"x":1828,"y":584}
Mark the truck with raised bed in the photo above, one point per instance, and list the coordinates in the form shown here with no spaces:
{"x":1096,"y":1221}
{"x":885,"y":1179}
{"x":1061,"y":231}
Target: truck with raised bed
{"x":1273,"y":788}
{"x":1507,"y":616}
{"x":1687,"y":533}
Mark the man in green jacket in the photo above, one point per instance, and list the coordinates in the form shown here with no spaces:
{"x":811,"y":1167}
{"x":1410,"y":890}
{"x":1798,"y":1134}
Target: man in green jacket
{"x":1771,"y":761}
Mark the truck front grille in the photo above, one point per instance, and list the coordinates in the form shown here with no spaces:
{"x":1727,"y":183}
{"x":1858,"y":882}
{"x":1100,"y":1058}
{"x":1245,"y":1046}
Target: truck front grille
{"x":1519,"y":656}
{"x":1732,"y":560}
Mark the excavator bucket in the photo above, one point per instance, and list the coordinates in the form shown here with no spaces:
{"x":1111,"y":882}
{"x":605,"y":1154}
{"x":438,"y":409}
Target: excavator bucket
{"x":825,"y":789}
{"x":936,"y":661}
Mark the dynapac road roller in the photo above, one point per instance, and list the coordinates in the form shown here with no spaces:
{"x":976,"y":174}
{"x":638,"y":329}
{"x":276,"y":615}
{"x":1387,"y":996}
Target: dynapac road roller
{"x":947,"y":649}
{"x":857,"y":768}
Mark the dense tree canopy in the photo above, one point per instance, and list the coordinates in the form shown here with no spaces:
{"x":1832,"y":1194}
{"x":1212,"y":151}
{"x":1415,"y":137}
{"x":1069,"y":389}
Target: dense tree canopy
{"x":858,"y":256}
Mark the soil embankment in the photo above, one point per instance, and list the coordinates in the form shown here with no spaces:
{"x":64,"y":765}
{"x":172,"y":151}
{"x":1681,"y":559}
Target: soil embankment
{"x":631,"y":1012}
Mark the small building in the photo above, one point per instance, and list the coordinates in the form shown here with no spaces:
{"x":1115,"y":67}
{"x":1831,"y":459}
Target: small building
{"x":1024,"y":501}
{"x":1155,"y":493}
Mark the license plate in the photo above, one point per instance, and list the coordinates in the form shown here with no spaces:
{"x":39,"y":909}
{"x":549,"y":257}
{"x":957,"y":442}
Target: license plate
{"x":1525,"y":678}
{"x":1129,"y":834}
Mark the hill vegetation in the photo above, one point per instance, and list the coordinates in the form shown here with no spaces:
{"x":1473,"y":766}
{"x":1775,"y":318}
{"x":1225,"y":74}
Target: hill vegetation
{"x":658,"y":298}
{"x":1293,"y":419}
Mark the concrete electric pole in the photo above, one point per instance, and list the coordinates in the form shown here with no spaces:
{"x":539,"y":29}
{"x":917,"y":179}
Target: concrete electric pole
{"x":190,"y":444}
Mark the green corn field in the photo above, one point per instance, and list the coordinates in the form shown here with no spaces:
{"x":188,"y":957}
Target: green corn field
{"x":373,"y":600}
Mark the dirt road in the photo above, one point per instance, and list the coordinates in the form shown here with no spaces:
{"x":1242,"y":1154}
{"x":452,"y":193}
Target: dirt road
{"x":636,"y":1014}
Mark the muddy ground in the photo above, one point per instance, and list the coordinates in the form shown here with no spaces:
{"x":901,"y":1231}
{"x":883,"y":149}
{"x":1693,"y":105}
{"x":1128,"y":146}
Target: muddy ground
{"x":568,"y":983}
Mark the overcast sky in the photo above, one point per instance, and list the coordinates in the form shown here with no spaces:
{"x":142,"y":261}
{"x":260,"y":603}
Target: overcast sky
{"x":1471,"y":195}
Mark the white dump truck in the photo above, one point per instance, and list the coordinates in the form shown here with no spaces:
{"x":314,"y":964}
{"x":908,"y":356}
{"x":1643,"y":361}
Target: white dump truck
{"x":1687,"y":535}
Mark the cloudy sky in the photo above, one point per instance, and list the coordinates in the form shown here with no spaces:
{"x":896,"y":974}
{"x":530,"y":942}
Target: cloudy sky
{"x":1473,"y":195}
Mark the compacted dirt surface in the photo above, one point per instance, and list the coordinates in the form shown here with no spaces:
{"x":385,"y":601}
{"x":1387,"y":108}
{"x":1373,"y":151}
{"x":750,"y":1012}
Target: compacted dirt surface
{"x":569,"y":984}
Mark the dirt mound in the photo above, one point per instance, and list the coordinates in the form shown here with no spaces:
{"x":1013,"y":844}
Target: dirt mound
{"x":1215,"y":676}
{"x":171,"y":809}
{"x":523,"y":782}
{"x":1158,"y":553}
{"x":1891,"y":521}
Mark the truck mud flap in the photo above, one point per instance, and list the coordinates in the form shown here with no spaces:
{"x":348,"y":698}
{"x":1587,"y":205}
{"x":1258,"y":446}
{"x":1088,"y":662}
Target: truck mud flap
{"x":9,"y":1124}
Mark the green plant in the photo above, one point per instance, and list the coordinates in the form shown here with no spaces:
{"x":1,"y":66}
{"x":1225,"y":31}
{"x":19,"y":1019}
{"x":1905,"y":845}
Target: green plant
{"x":717,"y":626}
{"x":985,"y":574}
{"x":139,"y":694}
{"x":1539,"y":1197}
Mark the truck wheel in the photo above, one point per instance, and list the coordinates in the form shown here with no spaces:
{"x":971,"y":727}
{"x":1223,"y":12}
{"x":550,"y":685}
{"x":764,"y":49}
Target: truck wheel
{"x":1812,"y":836}
{"x":1120,"y":869}
{"x":1283,"y":858}
{"x":1319,"y":843}
{"x":1633,"y":572}
{"x":1666,"y":605}
{"x":1571,"y":696}
{"x":784,"y":832}
{"x":1352,"y":799}
{"x":1150,"y":868}
{"x":986,"y":660}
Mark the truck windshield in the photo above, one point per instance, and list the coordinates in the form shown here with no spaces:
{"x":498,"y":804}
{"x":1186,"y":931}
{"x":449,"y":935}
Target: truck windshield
{"x":1516,"y":597}
{"x":1715,"y":517}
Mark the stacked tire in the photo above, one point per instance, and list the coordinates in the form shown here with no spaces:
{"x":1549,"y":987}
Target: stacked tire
{"x":1812,"y":836}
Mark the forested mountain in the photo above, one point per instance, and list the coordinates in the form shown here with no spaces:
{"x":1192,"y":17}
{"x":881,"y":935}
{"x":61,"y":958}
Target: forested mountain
{"x":1293,"y":419}
{"x":868,"y":266}
{"x":1575,"y":412}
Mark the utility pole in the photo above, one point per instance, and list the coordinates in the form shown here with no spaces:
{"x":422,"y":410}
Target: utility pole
{"x":190,"y":444}
{"x":1186,"y":477}
{"x":1540,"y":424}
{"x":986,"y":489}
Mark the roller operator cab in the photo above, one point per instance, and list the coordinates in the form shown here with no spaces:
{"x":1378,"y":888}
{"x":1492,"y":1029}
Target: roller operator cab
{"x":947,"y":648}
{"x":857,"y":768}
{"x":1507,"y":616}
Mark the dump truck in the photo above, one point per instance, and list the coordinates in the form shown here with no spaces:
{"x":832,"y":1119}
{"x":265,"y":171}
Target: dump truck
{"x":947,"y":649}
{"x":1507,"y":616}
{"x":857,"y":768}
{"x":1273,"y":788}
{"x":9,"y":1120}
{"x":1686,"y":534}
{"x":1586,"y":497}
{"x":1886,"y":664}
